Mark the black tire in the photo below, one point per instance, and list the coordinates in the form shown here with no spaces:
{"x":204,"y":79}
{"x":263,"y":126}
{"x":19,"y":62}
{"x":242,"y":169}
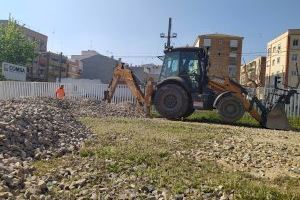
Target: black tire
{"x":171,"y":101}
{"x":190,"y":110}
{"x":230,"y":109}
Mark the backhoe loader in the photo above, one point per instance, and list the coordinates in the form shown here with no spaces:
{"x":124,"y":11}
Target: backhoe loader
{"x":184,"y":86}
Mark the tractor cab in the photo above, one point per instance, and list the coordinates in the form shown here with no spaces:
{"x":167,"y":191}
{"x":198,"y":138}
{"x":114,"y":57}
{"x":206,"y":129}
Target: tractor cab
{"x":183,"y":82}
{"x":186,"y":65}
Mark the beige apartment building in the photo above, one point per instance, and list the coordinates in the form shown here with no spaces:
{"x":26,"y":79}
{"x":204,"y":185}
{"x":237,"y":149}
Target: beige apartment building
{"x":282,"y":59}
{"x":255,"y":70}
{"x":225,"y":53}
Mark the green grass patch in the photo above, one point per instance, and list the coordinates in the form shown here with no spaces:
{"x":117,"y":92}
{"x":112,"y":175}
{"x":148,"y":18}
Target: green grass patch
{"x":159,"y":152}
{"x":246,"y":120}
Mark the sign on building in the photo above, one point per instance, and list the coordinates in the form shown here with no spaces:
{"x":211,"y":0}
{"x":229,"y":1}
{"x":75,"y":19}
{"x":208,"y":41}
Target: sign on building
{"x":13,"y":72}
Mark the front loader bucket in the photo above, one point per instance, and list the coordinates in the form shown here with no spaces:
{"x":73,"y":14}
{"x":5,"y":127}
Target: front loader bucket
{"x":277,"y":118}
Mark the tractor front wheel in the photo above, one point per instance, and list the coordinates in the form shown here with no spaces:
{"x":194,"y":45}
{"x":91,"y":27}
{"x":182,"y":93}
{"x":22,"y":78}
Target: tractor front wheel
{"x":171,"y":101}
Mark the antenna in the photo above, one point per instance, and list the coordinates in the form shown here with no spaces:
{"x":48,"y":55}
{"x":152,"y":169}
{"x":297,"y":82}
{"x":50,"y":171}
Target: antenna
{"x":169,"y":36}
{"x":91,"y":44}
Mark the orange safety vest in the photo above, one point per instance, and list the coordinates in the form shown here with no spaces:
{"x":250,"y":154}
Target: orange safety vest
{"x":60,"y":93}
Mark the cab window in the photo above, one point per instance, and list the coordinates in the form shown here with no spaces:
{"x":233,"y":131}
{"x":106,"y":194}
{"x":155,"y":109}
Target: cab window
{"x":190,"y":63}
{"x":170,"y":65}
{"x":190,"y":70}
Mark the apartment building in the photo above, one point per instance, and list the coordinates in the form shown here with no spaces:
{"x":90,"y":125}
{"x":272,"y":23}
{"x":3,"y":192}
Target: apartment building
{"x":49,"y":66}
{"x":32,"y":35}
{"x":74,"y":68}
{"x":283,"y":59}
{"x":255,"y":70}
{"x":224,"y":54}
{"x":41,"y":40}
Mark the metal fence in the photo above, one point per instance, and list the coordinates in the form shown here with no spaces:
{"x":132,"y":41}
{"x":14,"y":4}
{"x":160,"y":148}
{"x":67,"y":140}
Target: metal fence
{"x":13,"y":89}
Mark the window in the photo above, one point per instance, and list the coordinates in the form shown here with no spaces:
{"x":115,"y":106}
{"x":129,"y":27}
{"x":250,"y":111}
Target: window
{"x":233,"y":55}
{"x":170,"y":65}
{"x":190,"y":69}
{"x":279,"y":47}
{"x":278,"y":60}
{"x":232,"y":71}
{"x":269,"y":51}
{"x":295,"y":42}
{"x":207,"y":42}
{"x":274,"y":49}
{"x":220,"y":41}
{"x":294,"y":57}
{"x":273,"y":62}
{"x":234,"y":43}
{"x":232,"y":61}
{"x":294,"y":73}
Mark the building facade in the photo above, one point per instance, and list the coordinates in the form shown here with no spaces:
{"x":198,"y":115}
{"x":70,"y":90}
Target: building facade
{"x":224,"y":54}
{"x":48,"y":67}
{"x":33,"y":69}
{"x":283,"y":59}
{"x":74,"y":68}
{"x":96,"y":66}
{"x":255,"y":70}
{"x":153,"y":71}
{"x":32,"y":35}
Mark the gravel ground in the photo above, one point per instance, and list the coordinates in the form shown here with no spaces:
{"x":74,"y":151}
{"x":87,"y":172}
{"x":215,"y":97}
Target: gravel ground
{"x":34,"y":130}
{"x":260,"y":152}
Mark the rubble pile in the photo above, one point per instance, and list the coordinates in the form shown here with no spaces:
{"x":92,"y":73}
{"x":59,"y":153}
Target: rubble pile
{"x":96,"y":108}
{"x":38,"y":130}
{"x":92,"y":107}
{"x":32,"y":129}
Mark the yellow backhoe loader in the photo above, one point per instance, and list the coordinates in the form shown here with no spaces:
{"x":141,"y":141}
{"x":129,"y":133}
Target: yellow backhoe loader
{"x":184,"y":86}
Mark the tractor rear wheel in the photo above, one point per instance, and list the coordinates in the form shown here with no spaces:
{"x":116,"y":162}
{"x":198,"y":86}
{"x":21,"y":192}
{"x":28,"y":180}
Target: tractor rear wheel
{"x":230,"y":109}
{"x":172,"y":101}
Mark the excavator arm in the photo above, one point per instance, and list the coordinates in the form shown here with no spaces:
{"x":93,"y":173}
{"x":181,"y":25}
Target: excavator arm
{"x":122,"y":74}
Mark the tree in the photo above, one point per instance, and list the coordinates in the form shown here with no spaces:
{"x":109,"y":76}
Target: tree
{"x":15,"y":47}
{"x":2,"y":78}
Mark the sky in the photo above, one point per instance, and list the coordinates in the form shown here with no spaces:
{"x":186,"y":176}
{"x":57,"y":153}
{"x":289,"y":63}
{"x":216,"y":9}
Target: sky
{"x":131,"y":28}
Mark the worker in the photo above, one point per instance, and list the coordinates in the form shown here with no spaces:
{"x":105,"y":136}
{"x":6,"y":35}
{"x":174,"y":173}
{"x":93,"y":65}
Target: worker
{"x":60,"y":92}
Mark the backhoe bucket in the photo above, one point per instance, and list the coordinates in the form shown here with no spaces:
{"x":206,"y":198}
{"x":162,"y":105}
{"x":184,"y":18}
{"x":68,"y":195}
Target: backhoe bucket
{"x":277,"y":118}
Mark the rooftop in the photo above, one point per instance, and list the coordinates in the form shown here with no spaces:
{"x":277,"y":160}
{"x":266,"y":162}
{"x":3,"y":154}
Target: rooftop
{"x":220,"y":35}
{"x":25,"y":28}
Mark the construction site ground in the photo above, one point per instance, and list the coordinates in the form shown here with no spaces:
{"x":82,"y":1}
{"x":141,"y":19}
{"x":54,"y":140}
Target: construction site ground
{"x":142,"y":158}
{"x":156,"y":158}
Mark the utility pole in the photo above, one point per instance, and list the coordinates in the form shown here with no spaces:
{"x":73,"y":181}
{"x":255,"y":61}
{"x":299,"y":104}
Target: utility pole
{"x":60,"y":67}
{"x":169,"y":36}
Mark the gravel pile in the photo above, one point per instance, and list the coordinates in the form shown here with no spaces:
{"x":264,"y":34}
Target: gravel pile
{"x":32,"y":129}
{"x":92,"y":108}
{"x":96,"y":108}
{"x":41,"y":128}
